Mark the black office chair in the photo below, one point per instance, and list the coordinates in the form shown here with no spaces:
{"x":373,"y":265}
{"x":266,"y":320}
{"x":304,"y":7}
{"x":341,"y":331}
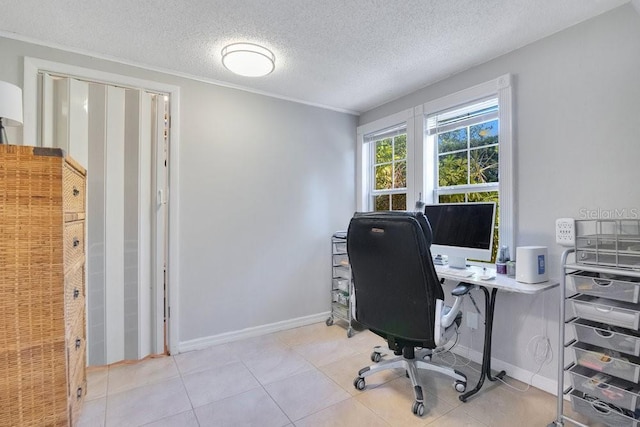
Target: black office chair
{"x":398,"y":295}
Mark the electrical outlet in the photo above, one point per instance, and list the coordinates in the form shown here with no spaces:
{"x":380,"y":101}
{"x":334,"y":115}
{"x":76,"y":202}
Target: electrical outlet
{"x":565,"y":231}
{"x":472,"y":319}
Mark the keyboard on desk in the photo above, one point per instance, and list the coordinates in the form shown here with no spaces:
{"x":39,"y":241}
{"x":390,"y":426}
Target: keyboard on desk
{"x":454,"y":272}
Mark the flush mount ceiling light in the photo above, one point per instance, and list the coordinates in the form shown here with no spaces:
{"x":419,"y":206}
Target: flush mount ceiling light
{"x":248,"y":59}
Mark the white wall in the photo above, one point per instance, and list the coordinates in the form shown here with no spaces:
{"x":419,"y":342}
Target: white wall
{"x":263,"y":184}
{"x":577,"y":146}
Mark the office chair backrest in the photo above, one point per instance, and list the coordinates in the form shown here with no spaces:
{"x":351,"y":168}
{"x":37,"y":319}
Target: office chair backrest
{"x":395,"y":283}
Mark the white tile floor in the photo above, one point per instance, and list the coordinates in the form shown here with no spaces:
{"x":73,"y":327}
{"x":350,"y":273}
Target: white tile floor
{"x":299,"y":377}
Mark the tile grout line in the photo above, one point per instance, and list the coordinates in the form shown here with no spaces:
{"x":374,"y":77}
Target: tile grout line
{"x":106,"y":397}
{"x":193,"y":409}
{"x":267,"y":392}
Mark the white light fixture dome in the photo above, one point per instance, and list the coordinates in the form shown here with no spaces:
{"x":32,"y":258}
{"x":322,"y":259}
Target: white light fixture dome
{"x":248,"y":59}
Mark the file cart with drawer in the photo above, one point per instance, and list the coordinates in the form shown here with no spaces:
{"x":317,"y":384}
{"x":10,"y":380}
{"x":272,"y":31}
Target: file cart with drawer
{"x":599,"y":369}
{"x":341,"y":286}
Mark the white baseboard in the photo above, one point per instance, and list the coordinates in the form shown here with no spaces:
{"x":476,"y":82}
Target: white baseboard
{"x":520,"y":374}
{"x":200,"y":343}
{"x":527,"y":377}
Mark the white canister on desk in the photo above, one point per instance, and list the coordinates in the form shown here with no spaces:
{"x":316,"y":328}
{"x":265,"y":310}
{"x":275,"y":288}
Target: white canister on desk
{"x":531,"y":264}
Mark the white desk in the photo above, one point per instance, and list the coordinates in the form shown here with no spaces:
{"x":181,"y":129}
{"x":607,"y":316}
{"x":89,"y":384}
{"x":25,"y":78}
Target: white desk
{"x":500,"y":283}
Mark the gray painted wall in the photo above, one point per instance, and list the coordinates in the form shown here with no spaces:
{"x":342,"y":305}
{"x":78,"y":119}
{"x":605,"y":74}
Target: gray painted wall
{"x":577,"y":134}
{"x":263,"y":184}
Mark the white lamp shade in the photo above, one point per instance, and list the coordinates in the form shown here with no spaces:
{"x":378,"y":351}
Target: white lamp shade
{"x":248,"y":59}
{"x":10,"y":104}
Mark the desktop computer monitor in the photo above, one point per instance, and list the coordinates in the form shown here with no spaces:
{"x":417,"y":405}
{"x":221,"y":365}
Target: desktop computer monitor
{"x":462,"y":230}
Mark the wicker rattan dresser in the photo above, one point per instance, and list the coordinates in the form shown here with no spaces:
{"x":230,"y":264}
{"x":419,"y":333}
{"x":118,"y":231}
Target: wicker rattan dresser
{"x":42,"y":295}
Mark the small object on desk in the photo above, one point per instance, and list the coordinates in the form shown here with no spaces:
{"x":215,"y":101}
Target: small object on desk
{"x":531,"y":264}
{"x":503,"y":257}
{"x":440,"y":260}
{"x":487,"y":277}
{"x":511,"y":268}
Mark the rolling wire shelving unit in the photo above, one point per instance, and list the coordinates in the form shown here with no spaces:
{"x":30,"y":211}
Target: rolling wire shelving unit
{"x":604,"y":381}
{"x":341,"y":283}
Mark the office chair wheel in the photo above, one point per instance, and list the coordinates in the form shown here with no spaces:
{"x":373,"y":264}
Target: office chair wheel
{"x":418,"y":408}
{"x":376,"y":357}
{"x":329,"y":321}
{"x":359,"y":383}
{"x":460,"y":386}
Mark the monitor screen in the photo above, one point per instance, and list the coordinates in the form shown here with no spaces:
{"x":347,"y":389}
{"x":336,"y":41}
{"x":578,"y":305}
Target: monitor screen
{"x":462,"y":230}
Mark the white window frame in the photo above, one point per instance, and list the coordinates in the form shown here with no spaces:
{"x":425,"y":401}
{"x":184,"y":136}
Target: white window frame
{"x":420,"y":183}
{"x":432,"y":138}
{"x":426,"y":155}
{"x":364,"y":164}
{"x":392,"y":134}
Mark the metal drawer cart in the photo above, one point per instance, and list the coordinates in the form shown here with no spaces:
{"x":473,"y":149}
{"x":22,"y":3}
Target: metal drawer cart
{"x":600,"y":307}
{"x":341,"y":285}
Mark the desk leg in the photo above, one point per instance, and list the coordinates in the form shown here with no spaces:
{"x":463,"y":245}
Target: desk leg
{"x":489,"y":307}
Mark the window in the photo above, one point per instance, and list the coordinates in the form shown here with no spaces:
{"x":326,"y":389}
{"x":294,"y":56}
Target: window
{"x":388,"y":150}
{"x":465,"y":155}
{"x":467,"y":151}
{"x":466,"y":144}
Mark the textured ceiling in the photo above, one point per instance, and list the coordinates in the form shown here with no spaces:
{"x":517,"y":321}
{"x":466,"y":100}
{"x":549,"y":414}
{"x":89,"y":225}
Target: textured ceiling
{"x":349,"y":55}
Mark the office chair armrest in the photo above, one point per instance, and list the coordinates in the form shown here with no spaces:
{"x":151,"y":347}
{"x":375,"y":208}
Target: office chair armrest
{"x":461,"y":289}
{"x":444,"y":320}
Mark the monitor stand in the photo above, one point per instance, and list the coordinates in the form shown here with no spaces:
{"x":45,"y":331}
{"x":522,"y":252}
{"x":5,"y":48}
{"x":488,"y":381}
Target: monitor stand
{"x":457,"y":262}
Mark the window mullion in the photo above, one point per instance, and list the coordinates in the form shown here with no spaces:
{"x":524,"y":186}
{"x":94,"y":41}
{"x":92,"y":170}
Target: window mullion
{"x":474,"y":188}
{"x":468,"y":157}
{"x":393,"y":163}
{"x":389,"y":191}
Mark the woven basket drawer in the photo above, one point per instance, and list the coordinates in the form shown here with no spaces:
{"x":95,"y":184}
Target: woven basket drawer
{"x":77,"y":374}
{"x":74,"y":296}
{"x":77,"y":397}
{"x":73,"y":190}
{"x":76,"y":346}
{"x":73,"y":243}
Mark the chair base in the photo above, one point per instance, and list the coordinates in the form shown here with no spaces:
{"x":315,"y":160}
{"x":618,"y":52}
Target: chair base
{"x":411,"y":366}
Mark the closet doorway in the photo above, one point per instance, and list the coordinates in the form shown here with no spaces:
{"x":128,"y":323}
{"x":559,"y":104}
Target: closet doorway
{"x":121,"y":135}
